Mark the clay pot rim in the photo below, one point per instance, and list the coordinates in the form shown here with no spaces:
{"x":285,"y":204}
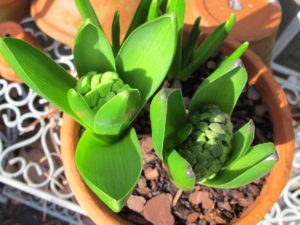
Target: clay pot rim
{"x":213,"y":20}
{"x":4,"y":2}
{"x":283,"y":138}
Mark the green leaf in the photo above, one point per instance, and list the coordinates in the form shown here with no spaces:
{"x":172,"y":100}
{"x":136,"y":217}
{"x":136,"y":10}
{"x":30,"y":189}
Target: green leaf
{"x":92,"y":51}
{"x":257,"y":163}
{"x":116,"y":115}
{"x":177,"y":7}
{"x":110,"y":170}
{"x":39,"y":72}
{"x":241,"y":142}
{"x":191,"y":42}
{"x":87,"y":12}
{"x":168,"y":116}
{"x":81,"y":109}
{"x":222,"y":92}
{"x":210,"y":45}
{"x":237,"y":54}
{"x":180,"y":170}
{"x":154,"y":10}
{"x":140,"y":17}
{"x":116,"y":33}
{"x":145,"y":57}
{"x":254,"y":156}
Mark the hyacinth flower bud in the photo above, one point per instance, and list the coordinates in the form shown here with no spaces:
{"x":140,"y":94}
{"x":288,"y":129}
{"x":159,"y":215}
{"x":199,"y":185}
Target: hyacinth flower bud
{"x":105,"y":104}
{"x":208,"y":146}
{"x":97,"y":89}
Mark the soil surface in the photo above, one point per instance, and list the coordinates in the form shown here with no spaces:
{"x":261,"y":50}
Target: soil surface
{"x":157,"y":201}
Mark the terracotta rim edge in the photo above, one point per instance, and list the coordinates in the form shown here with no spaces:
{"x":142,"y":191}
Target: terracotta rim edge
{"x":275,"y":99}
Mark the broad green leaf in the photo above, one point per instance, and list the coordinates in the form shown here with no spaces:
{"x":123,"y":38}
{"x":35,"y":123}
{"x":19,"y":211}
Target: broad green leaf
{"x":191,"y":42}
{"x":87,"y":12}
{"x":145,"y":57}
{"x":154,"y":10}
{"x":254,"y":155}
{"x":140,"y":17}
{"x":39,"y":72}
{"x":116,"y":115}
{"x":222,"y":92}
{"x":81,"y":109}
{"x":110,"y":170}
{"x":180,"y":170}
{"x":241,"y":142}
{"x":240,"y":175}
{"x":92,"y":51}
{"x":116,"y":33}
{"x":210,"y":45}
{"x":237,"y":54}
{"x":168,"y":116}
{"x":177,"y":7}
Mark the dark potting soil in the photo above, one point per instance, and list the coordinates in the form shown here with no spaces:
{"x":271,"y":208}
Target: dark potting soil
{"x":157,"y":201}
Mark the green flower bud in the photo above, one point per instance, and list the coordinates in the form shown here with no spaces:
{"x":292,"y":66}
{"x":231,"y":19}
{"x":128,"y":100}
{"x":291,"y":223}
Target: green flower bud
{"x":208,"y":146}
{"x":97,"y":89}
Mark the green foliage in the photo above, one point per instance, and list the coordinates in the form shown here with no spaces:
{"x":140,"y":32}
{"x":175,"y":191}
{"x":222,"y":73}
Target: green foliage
{"x":190,"y":57}
{"x":114,"y":84}
{"x":206,"y":150}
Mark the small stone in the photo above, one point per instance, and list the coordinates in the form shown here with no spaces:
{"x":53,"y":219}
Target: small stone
{"x":245,"y":202}
{"x":192,"y":217}
{"x":254,"y":190}
{"x":146,"y":144}
{"x":201,"y":197}
{"x":136,"y":203}
{"x":158,"y":210}
{"x":211,"y":64}
{"x":253,"y":94}
{"x":186,"y":101}
{"x":224,"y":205}
{"x":151,"y":174}
{"x":177,"y":84}
{"x":260,"y":110}
{"x":148,"y":157}
{"x":142,"y":183}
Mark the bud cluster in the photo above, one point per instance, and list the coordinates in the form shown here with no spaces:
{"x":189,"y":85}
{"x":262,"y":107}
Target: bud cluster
{"x":208,"y":146}
{"x":97,"y":89}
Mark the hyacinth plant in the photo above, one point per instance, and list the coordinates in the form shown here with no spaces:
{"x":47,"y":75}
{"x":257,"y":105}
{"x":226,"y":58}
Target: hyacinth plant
{"x":199,"y":145}
{"x":113,"y":85}
{"x":189,"y":55}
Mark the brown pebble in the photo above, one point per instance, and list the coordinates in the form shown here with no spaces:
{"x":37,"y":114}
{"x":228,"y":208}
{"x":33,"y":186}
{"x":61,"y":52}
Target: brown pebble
{"x":245,"y":202}
{"x":142,"y":183}
{"x":192,"y":217}
{"x":177,"y":84}
{"x":225,"y":205}
{"x":146,"y":144}
{"x":211,"y":64}
{"x":260,"y":110}
{"x":201,"y":197}
{"x":253,"y":94}
{"x":151,"y":174}
{"x":186,"y":101}
{"x":158,"y":210}
{"x":136,"y":203}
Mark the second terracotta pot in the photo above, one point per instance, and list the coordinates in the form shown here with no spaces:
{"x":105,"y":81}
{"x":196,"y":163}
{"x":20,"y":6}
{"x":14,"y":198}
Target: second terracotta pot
{"x":61,"y":20}
{"x":273,"y":97}
{"x":13,"y":10}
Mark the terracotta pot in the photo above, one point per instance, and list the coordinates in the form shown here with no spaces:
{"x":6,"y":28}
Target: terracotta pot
{"x":274,"y":98}
{"x":61,"y":20}
{"x":12,"y":29}
{"x":257,"y":21}
{"x":13,"y":10}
